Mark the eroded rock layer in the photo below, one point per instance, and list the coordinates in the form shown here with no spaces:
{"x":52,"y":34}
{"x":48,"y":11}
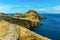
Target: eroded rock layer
{"x":17,"y":27}
{"x":14,"y":32}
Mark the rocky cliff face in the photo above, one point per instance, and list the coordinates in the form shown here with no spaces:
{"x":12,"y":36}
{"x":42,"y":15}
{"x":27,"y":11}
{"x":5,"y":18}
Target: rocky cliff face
{"x":21,"y":22}
{"x":9,"y":31}
{"x":17,"y":27}
{"x":29,"y":14}
{"x":3,"y":14}
{"x":32,"y":16}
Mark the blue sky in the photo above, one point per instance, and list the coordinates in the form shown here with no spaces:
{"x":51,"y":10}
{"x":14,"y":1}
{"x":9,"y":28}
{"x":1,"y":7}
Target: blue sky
{"x":21,"y":6}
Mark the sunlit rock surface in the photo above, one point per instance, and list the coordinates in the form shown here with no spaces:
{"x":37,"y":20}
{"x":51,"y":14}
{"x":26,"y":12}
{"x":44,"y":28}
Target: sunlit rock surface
{"x":14,"y":28}
{"x":1,"y":13}
{"x":13,"y":32}
{"x":30,"y":15}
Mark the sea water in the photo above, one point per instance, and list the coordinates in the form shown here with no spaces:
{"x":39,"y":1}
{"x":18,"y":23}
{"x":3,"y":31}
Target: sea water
{"x":50,"y":27}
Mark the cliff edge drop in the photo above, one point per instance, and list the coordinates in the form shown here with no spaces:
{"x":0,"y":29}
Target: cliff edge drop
{"x":17,"y":27}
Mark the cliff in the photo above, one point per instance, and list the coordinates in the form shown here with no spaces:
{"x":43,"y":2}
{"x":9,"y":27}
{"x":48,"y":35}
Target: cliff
{"x":13,"y":31}
{"x":32,"y":16}
{"x":17,"y":27}
{"x":29,"y":14}
{"x":1,"y":13}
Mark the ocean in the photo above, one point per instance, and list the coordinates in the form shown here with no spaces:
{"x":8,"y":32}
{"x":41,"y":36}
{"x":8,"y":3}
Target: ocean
{"x":50,"y":27}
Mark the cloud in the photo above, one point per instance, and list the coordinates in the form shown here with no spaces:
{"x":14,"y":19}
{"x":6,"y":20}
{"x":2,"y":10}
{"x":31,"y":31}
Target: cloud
{"x":42,"y":10}
{"x":4,"y":9}
{"x":55,"y":9}
{"x":9,"y":9}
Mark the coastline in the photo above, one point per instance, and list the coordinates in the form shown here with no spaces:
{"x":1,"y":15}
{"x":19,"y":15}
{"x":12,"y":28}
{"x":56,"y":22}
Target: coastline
{"x":25,"y":23}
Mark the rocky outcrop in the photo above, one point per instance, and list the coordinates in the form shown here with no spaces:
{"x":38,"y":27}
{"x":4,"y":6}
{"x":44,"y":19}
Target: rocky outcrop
{"x":9,"y":31}
{"x":17,"y":27}
{"x":1,"y":13}
{"x":21,"y":22}
{"x":32,"y":16}
{"x":28,"y":20}
{"x":29,"y":14}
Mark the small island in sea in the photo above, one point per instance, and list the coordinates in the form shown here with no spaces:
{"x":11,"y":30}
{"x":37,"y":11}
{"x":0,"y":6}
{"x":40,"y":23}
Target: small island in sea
{"x":18,"y":26}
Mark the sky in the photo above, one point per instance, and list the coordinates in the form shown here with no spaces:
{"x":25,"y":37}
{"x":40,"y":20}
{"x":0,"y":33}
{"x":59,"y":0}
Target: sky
{"x":21,"y":6}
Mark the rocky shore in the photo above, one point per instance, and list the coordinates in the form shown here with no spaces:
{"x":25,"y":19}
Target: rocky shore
{"x":18,"y":27}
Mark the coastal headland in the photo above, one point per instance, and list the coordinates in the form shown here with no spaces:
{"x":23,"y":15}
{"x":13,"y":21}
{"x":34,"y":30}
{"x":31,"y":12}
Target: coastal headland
{"x":18,"y":26}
